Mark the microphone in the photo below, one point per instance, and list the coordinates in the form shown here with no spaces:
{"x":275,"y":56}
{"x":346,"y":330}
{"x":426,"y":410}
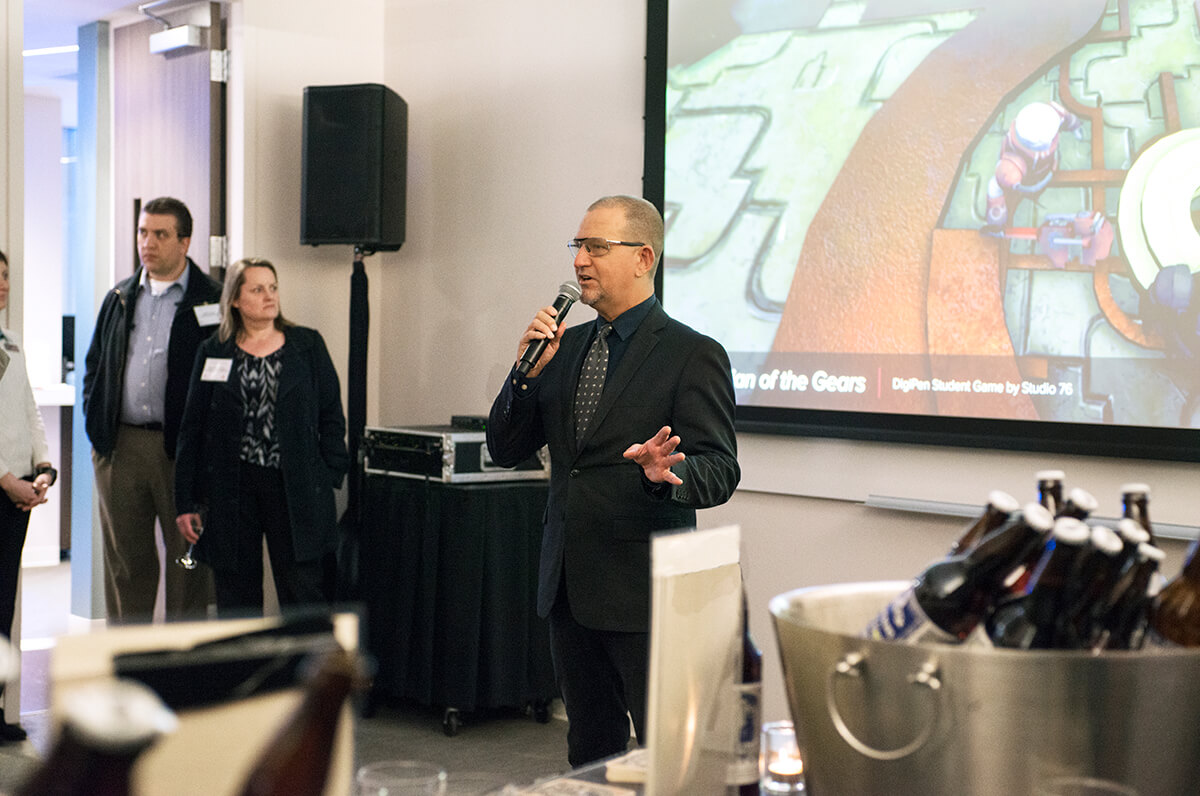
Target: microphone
{"x":568,"y":294}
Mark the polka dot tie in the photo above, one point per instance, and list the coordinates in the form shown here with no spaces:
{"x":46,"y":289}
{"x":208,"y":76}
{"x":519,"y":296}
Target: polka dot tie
{"x":591,"y":381}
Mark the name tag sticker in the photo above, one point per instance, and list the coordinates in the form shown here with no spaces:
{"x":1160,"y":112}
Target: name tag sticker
{"x":216,"y":369}
{"x":208,"y":314}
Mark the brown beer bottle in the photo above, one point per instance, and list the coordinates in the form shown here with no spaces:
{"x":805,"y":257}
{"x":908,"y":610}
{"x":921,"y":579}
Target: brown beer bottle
{"x":1079,"y":504}
{"x":1123,"y":618}
{"x":105,"y":726}
{"x":1133,"y":536}
{"x":1175,"y":618}
{"x":1135,"y":504}
{"x":953,"y":595}
{"x":1031,"y":620}
{"x":296,"y":761}
{"x":1050,"y":489}
{"x":1000,"y":506}
{"x":1095,"y":574}
{"x":743,"y":775}
{"x":1050,"y":495}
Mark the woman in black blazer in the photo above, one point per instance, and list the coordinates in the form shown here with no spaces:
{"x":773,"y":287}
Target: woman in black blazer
{"x":261,"y":450}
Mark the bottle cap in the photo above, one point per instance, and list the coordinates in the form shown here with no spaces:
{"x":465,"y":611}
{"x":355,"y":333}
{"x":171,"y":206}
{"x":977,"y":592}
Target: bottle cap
{"x":1038,"y":517}
{"x":116,"y":715}
{"x":1105,"y":540}
{"x":1069,"y":530}
{"x":1084,"y":499}
{"x":1135,"y":488}
{"x":1151,"y":552}
{"x":1002,"y":501}
{"x":1132,"y":531}
{"x":1050,"y":475}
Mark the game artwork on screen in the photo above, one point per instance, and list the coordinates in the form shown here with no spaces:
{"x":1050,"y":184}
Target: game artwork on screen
{"x":978,"y":209}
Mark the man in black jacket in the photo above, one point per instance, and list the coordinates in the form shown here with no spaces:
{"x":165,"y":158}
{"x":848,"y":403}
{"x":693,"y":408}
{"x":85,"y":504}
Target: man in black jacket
{"x":134,"y":391}
{"x":637,"y":411}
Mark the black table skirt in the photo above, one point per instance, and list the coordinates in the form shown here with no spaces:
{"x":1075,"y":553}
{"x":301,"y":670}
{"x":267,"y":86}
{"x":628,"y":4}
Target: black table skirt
{"x":449,"y":577}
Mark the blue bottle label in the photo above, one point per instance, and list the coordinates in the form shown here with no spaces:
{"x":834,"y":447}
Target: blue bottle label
{"x":743,"y":768}
{"x":904,"y":620}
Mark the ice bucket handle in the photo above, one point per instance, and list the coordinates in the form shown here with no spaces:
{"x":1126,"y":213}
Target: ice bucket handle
{"x":853,"y":664}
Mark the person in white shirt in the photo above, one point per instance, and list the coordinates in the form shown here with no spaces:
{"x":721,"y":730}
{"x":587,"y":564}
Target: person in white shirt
{"x":25,"y":472}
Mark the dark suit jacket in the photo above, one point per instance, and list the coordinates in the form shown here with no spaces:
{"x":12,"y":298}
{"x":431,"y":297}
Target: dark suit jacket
{"x":104,"y":373}
{"x":312,"y":449}
{"x":601,"y":512}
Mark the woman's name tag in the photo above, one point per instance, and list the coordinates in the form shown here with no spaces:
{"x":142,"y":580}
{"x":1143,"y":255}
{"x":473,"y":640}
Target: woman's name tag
{"x":216,"y":369}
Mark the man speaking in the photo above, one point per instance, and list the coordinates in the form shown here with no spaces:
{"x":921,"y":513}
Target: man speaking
{"x":637,"y":410}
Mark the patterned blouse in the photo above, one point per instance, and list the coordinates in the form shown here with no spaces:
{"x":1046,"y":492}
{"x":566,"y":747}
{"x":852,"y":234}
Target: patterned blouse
{"x":258,"y":378}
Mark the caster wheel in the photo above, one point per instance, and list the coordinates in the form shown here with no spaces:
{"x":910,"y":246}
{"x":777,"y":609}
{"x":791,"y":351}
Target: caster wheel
{"x":541,"y":712}
{"x":451,"y":722}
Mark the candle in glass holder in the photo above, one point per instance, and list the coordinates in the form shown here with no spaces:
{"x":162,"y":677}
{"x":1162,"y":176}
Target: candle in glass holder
{"x":783,"y":770}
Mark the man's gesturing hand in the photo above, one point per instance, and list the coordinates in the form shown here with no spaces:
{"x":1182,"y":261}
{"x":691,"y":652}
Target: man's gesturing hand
{"x":657,"y":456}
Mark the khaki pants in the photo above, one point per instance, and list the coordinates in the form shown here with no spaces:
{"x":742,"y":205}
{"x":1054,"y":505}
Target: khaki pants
{"x":136,"y":485}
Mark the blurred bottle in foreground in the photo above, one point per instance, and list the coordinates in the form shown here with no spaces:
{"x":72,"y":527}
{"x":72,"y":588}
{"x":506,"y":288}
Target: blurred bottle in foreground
{"x":743,"y":775}
{"x":296,"y":761}
{"x":1175,"y":617}
{"x":105,"y":726}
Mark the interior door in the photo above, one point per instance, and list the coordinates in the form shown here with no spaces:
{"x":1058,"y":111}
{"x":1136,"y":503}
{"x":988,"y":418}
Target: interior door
{"x":169,"y":122}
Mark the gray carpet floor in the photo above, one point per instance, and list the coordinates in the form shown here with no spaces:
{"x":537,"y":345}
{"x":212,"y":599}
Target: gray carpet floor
{"x":491,"y":749}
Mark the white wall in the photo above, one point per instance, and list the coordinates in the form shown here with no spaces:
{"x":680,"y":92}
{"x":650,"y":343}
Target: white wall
{"x":43,"y":266}
{"x":42,"y":271}
{"x":520,"y":113}
{"x":278,"y":47}
{"x":12,"y":167}
{"x":853,"y":470}
{"x":11,"y":174}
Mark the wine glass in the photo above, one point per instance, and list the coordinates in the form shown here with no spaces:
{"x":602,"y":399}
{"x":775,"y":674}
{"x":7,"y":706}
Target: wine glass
{"x":187,"y":560}
{"x":401,"y":778}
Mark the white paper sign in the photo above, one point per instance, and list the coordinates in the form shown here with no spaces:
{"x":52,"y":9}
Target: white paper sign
{"x":208,"y":314}
{"x":216,"y":369}
{"x":695,"y":659}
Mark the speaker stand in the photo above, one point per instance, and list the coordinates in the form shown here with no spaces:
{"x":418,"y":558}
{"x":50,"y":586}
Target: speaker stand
{"x":356,"y":384}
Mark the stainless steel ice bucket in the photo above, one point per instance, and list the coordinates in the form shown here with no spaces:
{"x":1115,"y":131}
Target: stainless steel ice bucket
{"x":876,"y":717}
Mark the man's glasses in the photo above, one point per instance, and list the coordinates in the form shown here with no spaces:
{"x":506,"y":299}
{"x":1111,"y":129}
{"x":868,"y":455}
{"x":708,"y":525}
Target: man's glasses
{"x":597,"y":247}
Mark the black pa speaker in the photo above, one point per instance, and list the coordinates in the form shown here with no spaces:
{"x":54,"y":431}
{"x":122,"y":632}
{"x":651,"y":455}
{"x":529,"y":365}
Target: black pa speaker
{"x":352,"y":180}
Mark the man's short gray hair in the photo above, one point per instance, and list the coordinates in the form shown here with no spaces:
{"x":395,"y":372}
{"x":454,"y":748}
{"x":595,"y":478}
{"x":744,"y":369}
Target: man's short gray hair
{"x":643,"y":222}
